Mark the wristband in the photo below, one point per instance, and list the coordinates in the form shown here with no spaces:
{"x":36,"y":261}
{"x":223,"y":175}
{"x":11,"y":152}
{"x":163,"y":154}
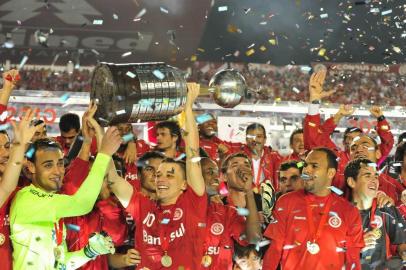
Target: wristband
{"x":317,"y":101}
{"x":381,"y":118}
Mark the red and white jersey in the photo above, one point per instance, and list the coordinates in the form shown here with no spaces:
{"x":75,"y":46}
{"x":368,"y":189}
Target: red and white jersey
{"x":340,"y":240}
{"x":224,"y":226}
{"x":5,"y":243}
{"x":184,"y":228}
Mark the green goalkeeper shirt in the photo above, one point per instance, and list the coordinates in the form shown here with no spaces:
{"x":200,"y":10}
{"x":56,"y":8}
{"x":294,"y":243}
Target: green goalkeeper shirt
{"x":34,"y":213}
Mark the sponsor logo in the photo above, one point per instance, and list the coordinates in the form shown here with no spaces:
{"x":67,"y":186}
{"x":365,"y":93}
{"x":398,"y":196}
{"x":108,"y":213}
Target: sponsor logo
{"x":378,"y":222}
{"x":335,"y":221}
{"x":213,"y":250}
{"x":152,"y":240}
{"x":178,"y":214}
{"x":149,"y":219}
{"x":217,"y":228}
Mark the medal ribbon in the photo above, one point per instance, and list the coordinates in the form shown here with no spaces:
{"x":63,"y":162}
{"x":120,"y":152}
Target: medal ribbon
{"x":59,"y":232}
{"x":372,"y":215}
{"x":324,"y":214}
{"x":163,"y":228}
{"x":258,"y":178}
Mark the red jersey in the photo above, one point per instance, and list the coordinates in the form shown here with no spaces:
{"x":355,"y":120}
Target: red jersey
{"x":65,"y":148}
{"x":340,"y":239}
{"x":210,"y":146}
{"x":268,"y":166}
{"x":402,"y":210}
{"x":131,"y":168}
{"x":181,"y":224}
{"x":106,"y":216}
{"x":223,"y":227}
{"x":5,"y":243}
{"x":391,"y":187}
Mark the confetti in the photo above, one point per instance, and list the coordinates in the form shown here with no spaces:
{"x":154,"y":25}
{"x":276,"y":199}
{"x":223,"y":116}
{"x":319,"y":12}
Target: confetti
{"x":202,"y":118}
{"x":300,"y":164}
{"x":140,"y":14}
{"x":130,"y":74}
{"x":164,"y":10}
{"x":157,"y":73}
{"x":3,"y":116}
{"x":5,"y":126}
{"x":294,"y":89}
{"x":322,"y":52}
{"x":23,"y":61}
{"x":165,"y":221}
{"x":195,"y":159}
{"x":250,"y":52}
{"x":30,"y":152}
{"x":97,"y":22}
{"x":120,"y":112}
{"x":65,"y":97}
{"x":73,"y":227}
{"x":386,"y":12}
{"x":223,"y":190}
{"x":128,"y":137}
{"x":272,"y":41}
{"x":95,"y":52}
{"x":222,"y":8}
{"x":126,"y":54}
{"x":249,"y":136}
{"x":324,"y":15}
{"x":180,"y":157}
{"x":374,"y":10}
{"x":243,"y":211}
{"x":115,"y":16}
{"x":336,"y":190}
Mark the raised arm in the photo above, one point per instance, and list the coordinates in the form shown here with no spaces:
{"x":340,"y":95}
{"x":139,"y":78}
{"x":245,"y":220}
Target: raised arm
{"x":22,"y":136}
{"x":10,"y":78}
{"x":119,"y":186}
{"x":193,"y":169}
{"x":384,"y":132}
{"x":84,"y":199}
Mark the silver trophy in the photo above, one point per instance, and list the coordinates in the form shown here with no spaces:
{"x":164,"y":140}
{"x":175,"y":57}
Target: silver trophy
{"x":130,"y":93}
{"x":228,"y":88}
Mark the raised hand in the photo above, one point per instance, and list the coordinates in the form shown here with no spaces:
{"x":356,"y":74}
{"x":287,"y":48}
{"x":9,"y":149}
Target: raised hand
{"x":346,"y":110}
{"x":132,"y":257}
{"x":130,"y":153}
{"x":10,"y":78}
{"x":24,"y":131}
{"x":316,"y":86}
{"x":376,"y":111}
{"x":88,"y":128}
{"x":192,"y":93}
{"x":111,"y":141}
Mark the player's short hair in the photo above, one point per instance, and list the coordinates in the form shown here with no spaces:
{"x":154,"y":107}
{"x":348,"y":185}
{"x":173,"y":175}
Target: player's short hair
{"x":401,"y":138}
{"x":245,"y":251}
{"x":228,"y":159}
{"x":351,"y":130}
{"x":291,"y":164}
{"x":332,"y":162}
{"x":254,"y":126}
{"x":142,"y":162}
{"x":41,"y":144}
{"x":173,"y":127}
{"x":69,"y":121}
{"x":353,"y":167}
{"x":376,"y":146}
{"x":297,"y":131}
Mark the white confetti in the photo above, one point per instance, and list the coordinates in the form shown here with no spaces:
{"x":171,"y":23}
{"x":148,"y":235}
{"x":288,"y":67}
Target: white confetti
{"x":297,"y":91}
{"x":140,"y":14}
{"x":120,"y":112}
{"x":126,"y":54}
{"x":386,"y":12}
{"x":157,"y":73}
{"x":195,"y":159}
{"x":164,"y":10}
{"x":97,"y":22}
{"x":222,"y":8}
{"x":336,"y":190}
{"x":23,"y":61}
{"x":324,"y":15}
{"x":243,"y":211}
{"x":130,"y":74}
{"x":115,"y":16}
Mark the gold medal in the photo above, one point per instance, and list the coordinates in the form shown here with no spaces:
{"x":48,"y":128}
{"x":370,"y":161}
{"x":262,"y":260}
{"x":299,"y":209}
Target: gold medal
{"x":2,"y":239}
{"x":206,"y":260}
{"x":166,"y":260}
{"x":313,"y":248}
{"x":377,"y":233}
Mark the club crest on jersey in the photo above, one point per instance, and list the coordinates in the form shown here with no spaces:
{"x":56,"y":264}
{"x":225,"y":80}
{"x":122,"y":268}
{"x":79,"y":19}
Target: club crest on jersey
{"x":334,"y":221}
{"x":217,"y":228}
{"x":2,"y":239}
{"x":378,"y":222}
{"x":178,"y":214}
